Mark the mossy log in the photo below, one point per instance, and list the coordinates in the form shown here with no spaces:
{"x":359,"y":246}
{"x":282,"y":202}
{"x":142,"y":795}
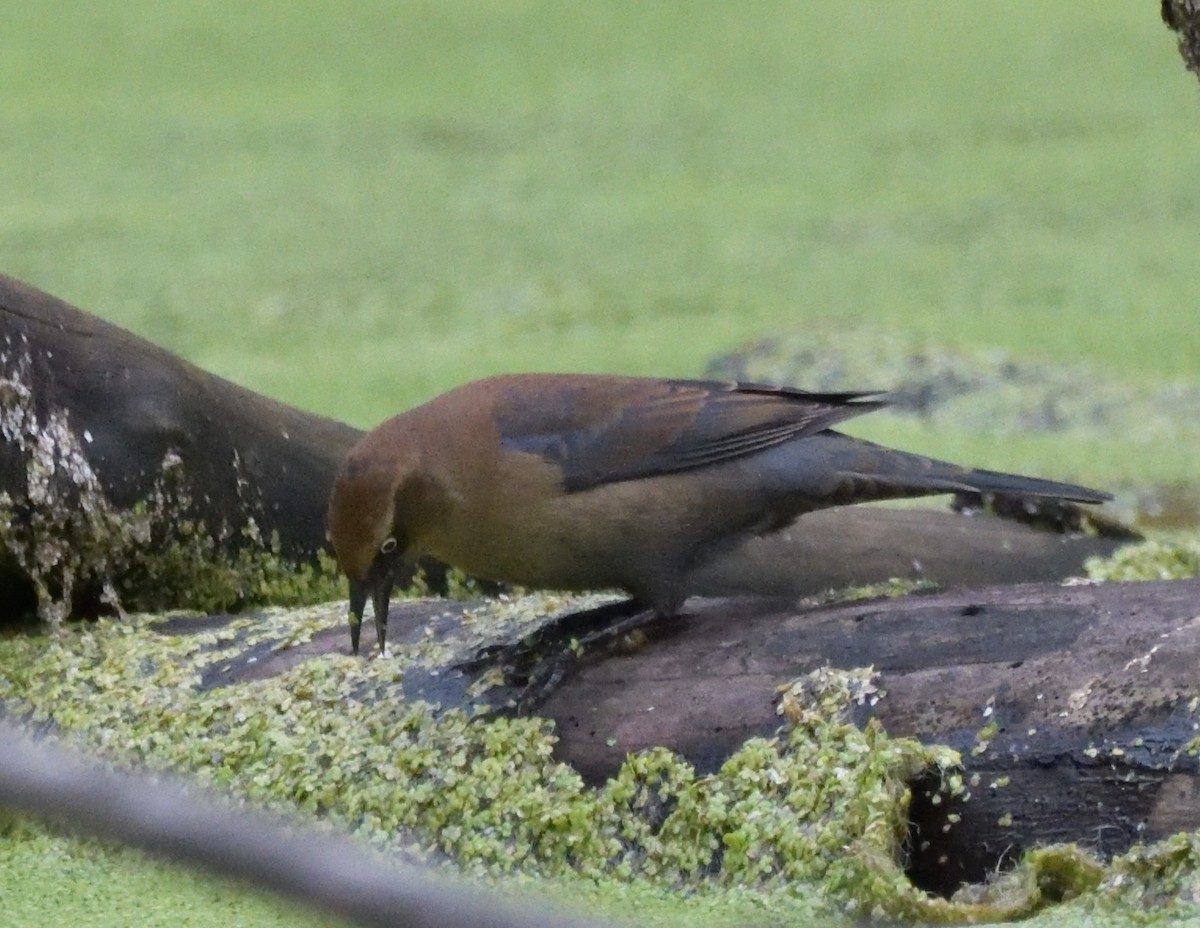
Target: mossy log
{"x":1075,"y":707}
{"x":131,"y":404}
{"x":114,"y":448}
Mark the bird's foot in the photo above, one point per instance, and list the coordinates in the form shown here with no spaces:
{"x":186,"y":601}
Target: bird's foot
{"x":536,"y":664}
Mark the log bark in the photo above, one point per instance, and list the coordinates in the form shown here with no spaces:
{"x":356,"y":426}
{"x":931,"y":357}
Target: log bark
{"x":243,"y":453}
{"x":1091,"y":689}
{"x":1074,"y":706}
{"x":861,"y":545}
{"x":110,"y":442}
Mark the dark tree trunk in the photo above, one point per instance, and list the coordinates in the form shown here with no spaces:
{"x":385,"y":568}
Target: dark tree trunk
{"x":113,"y":447}
{"x":1183,"y":16}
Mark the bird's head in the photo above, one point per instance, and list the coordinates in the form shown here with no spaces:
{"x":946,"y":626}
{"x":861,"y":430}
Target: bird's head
{"x":367,"y":536}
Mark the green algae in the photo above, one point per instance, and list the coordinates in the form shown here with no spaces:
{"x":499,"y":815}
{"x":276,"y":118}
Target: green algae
{"x":47,"y":878}
{"x":1161,"y":874}
{"x":817,"y":812}
{"x":1155,"y":559}
{"x":887,"y":589}
{"x":333,"y":737}
{"x":195,"y":571}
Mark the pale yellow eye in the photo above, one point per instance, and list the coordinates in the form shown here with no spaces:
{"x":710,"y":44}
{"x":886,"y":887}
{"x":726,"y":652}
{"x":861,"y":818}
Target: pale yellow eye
{"x":388,"y":546}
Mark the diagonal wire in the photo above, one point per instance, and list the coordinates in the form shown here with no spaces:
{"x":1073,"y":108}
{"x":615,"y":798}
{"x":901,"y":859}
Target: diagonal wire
{"x":193,"y":826}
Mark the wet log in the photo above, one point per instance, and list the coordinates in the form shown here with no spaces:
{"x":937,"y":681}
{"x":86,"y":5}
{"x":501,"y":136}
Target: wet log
{"x":861,"y":545}
{"x":108,"y":439}
{"x":130,"y":404}
{"x":1074,"y":706}
{"x":111,"y":444}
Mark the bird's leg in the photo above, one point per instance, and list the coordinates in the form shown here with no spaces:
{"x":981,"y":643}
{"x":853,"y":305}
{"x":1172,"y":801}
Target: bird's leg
{"x":540,"y":661}
{"x":572,"y":626}
{"x":549,"y":671}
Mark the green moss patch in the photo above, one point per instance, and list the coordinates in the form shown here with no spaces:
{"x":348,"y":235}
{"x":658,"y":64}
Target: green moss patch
{"x":1156,"y":559}
{"x":818,"y":812}
{"x":47,"y":879}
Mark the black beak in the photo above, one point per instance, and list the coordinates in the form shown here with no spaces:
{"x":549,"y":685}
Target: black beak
{"x":358,"y":602}
{"x":383,"y":593}
{"x":379,"y":589}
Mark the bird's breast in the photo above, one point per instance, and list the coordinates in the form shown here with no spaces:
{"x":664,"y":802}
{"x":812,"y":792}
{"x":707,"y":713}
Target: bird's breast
{"x":518,"y":524}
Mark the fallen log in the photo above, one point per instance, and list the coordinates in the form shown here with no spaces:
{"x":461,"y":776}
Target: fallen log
{"x":1074,"y":706}
{"x":131,"y":404}
{"x":114,"y":448}
{"x":861,"y":545}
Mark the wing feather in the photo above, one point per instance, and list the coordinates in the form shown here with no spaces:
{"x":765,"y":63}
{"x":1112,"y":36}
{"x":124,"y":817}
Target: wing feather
{"x":604,"y":429}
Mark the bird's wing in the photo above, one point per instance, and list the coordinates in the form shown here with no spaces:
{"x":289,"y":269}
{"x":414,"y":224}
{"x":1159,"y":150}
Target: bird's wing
{"x":600,"y":430}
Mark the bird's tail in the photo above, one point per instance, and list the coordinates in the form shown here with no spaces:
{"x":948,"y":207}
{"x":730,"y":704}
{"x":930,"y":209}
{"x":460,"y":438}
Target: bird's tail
{"x":991,"y":481}
{"x":840,"y":470}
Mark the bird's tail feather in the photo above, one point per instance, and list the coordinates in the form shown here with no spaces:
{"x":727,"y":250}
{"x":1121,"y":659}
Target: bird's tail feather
{"x":991,"y":481}
{"x":859,"y":471}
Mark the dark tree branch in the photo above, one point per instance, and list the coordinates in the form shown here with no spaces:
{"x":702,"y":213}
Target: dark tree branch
{"x":1183,"y":17}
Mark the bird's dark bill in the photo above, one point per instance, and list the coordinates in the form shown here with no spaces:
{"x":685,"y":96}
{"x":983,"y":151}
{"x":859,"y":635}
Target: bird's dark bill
{"x":380,"y":599}
{"x":358,"y":603}
{"x":379,"y":590}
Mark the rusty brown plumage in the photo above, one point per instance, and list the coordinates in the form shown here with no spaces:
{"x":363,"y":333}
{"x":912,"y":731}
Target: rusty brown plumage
{"x":572,"y":481}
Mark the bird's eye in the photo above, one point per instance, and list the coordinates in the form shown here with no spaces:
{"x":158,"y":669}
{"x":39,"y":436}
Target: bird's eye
{"x":388,"y":546}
